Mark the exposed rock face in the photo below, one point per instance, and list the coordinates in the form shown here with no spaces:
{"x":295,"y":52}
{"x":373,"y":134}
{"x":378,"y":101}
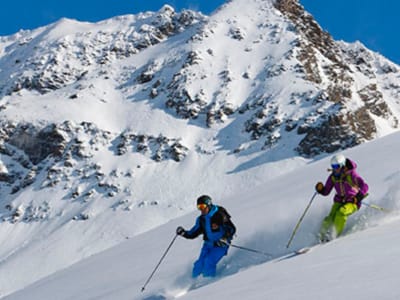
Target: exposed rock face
{"x":314,"y":35}
{"x":342,"y":128}
{"x":60,"y":154}
{"x":158,"y":148}
{"x":37,"y":144}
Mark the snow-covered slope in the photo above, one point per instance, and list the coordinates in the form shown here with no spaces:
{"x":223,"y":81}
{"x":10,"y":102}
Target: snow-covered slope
{"x":108,"y":130}
{"x":363,"y":262}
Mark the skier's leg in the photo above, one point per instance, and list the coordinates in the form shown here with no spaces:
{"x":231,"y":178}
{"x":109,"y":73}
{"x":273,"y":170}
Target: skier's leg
{"x":328,"y":221}
{"x":212,"y":259}
{"x":341,"y":216}
{"x":199,"y":263}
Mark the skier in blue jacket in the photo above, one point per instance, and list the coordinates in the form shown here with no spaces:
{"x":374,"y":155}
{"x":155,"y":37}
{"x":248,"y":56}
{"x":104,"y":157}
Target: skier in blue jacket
{"x":217,"y":228}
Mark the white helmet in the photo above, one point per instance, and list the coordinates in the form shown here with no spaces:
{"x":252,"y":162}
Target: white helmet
{"x":338,"y":159}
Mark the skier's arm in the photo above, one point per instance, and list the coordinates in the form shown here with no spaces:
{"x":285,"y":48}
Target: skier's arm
{"x":327,"y":187}
{"x":362,"y":186}
{"x":195,"y":231}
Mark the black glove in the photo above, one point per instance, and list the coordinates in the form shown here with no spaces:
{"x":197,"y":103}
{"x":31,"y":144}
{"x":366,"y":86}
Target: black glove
{"x":357,"y":198}
{"x":221,"y":243}
{"x":180,"y":230}
{"x":319,"y":187}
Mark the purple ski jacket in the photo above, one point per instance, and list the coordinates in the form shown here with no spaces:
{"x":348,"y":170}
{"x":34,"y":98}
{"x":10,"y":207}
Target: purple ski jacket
{"x":347,"y":185}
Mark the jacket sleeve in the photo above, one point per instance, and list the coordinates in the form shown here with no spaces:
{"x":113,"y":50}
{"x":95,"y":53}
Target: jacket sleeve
{"x":195,"y":231}
{"x":328,"y":186}
{"x":362,"y":185}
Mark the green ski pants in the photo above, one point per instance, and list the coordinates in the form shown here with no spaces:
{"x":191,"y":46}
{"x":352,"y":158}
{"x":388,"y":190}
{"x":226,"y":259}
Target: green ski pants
{"x":337,"y":218}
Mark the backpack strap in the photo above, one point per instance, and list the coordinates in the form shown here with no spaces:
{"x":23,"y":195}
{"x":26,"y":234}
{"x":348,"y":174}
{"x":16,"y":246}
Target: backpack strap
{"x":348,"y":178}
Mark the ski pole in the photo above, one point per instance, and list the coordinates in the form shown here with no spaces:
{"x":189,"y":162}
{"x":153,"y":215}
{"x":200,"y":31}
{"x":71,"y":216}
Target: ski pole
{"x":251,"y":250}
{"x":163,"y":256}
{"x":300,"y":220}
{"x":377,"y":207}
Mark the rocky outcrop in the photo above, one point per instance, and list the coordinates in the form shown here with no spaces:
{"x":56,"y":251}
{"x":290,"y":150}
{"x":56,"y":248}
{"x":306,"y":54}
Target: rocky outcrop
{"x":61,"y":154}
{"x":343,"y":127}
{"x":156,"y":148}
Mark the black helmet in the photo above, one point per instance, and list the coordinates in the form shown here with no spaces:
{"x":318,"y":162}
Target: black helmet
{"x":204,"y":200}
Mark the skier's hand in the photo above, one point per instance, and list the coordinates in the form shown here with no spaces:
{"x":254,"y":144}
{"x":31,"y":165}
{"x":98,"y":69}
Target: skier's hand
{"x":221,"y":243}
{"x":319,"y":187}
{"x":357,"y":198}
{"x":180,"y":231}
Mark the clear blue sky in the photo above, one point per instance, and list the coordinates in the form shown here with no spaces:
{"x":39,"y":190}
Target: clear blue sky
{"x":373,"y":22}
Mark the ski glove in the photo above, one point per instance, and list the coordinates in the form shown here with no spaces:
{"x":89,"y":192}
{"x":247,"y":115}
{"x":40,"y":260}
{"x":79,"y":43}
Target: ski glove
{"x":221,"y":243}
{"x":180,"y":231}
{"x":319,"y":187}
{"x":357,"y":198}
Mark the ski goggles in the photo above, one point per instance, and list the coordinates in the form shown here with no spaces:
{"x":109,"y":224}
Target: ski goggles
{"x":202,"y":206}
{"x":336,"y":166}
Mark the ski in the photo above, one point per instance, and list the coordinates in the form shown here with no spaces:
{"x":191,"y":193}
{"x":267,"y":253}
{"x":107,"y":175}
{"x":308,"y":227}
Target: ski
{"x":302,"y":250}
{"x":295,"y":253}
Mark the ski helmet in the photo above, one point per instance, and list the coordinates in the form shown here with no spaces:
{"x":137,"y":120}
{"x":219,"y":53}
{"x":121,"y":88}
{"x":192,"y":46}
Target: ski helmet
{"x":204,"y":199}
{"x":338,"y":160}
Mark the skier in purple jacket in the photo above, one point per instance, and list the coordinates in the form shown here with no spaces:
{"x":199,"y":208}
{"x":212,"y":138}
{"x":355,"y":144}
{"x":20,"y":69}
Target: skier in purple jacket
{"x":350,"y":190}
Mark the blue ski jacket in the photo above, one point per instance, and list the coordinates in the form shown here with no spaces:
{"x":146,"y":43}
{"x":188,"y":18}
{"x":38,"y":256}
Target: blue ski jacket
{"x":214,"y":226}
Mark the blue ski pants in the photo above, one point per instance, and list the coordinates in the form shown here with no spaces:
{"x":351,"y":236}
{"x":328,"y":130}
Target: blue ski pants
{"x":206,"y":264}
